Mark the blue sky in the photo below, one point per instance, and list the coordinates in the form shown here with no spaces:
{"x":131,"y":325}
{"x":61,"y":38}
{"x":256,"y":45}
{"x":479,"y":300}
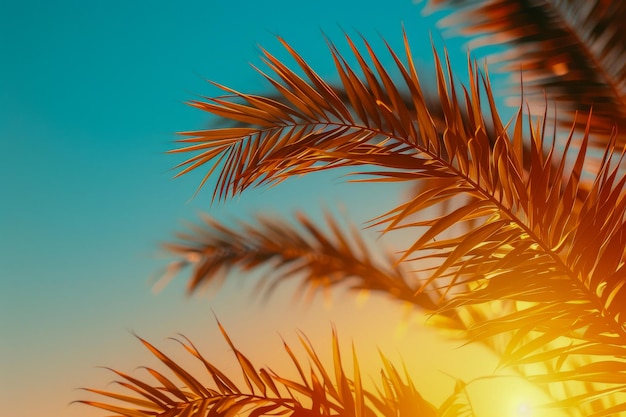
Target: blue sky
{"x":91,"y":95}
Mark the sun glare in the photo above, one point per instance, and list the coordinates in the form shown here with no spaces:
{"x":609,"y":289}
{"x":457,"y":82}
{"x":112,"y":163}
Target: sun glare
{"x":509,"y":396}
{"x":524,"y":410}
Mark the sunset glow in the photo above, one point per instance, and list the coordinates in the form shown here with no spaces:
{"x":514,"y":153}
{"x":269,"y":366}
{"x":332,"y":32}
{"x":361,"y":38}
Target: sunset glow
{"x":524,"y":410}
{"x":354,"y":225}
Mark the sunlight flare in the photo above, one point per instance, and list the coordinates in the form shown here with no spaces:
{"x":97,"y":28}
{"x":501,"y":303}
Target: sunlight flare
{"x":524,"y":410}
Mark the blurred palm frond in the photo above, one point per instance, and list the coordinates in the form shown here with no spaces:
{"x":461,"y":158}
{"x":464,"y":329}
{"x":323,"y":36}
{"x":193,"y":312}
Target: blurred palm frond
{"x":573,"y":51}
{"x":321,"y":259}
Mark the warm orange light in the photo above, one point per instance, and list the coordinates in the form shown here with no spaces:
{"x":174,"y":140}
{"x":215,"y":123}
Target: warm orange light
{"x":560,"y":68}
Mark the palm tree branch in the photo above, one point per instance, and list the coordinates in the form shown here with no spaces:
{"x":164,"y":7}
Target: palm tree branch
{"x":572,"y":51}
{"x":319,"y":394}
{"x":322,"y":259}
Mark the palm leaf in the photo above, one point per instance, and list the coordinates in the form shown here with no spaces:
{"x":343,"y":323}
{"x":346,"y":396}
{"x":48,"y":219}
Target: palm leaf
{"x":326,"y":392}
{"x":303,"y":251}
{"x":572,"y":51}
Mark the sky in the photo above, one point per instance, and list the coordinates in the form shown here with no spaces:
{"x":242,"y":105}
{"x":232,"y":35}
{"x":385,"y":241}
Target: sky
{"x":91,"y":95}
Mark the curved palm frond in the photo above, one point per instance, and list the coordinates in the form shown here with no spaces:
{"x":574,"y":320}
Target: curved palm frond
{"x":304,"y":251}
{"x":317,"y":392}
{"x":282,"y":140}
{"x":526,"y":236}
{"x":548,"y":266}
{"x":573,"y":51}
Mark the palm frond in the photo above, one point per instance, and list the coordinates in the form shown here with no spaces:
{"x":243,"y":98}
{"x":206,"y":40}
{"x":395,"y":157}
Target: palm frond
{"x":543,"y":264}
{"x":324,"y":392}
{"x":525,"y":235}
{"x":458,"y":403}
{"x":320,"y":259}
{"x":316,"y":131}
{"x":573,"y":51}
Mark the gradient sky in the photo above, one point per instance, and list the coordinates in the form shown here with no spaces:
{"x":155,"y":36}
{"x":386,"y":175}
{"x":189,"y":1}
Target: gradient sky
{"x":91,"y":95}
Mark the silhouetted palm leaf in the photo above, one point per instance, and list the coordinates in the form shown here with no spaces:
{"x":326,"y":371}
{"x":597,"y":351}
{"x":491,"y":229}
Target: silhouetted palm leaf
{"x":320,"y":259}
{"x":324,"y":392}
{"x":575,"y":51}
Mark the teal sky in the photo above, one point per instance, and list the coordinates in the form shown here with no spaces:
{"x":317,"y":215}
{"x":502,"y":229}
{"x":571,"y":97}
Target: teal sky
{"x":91,"y":95}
